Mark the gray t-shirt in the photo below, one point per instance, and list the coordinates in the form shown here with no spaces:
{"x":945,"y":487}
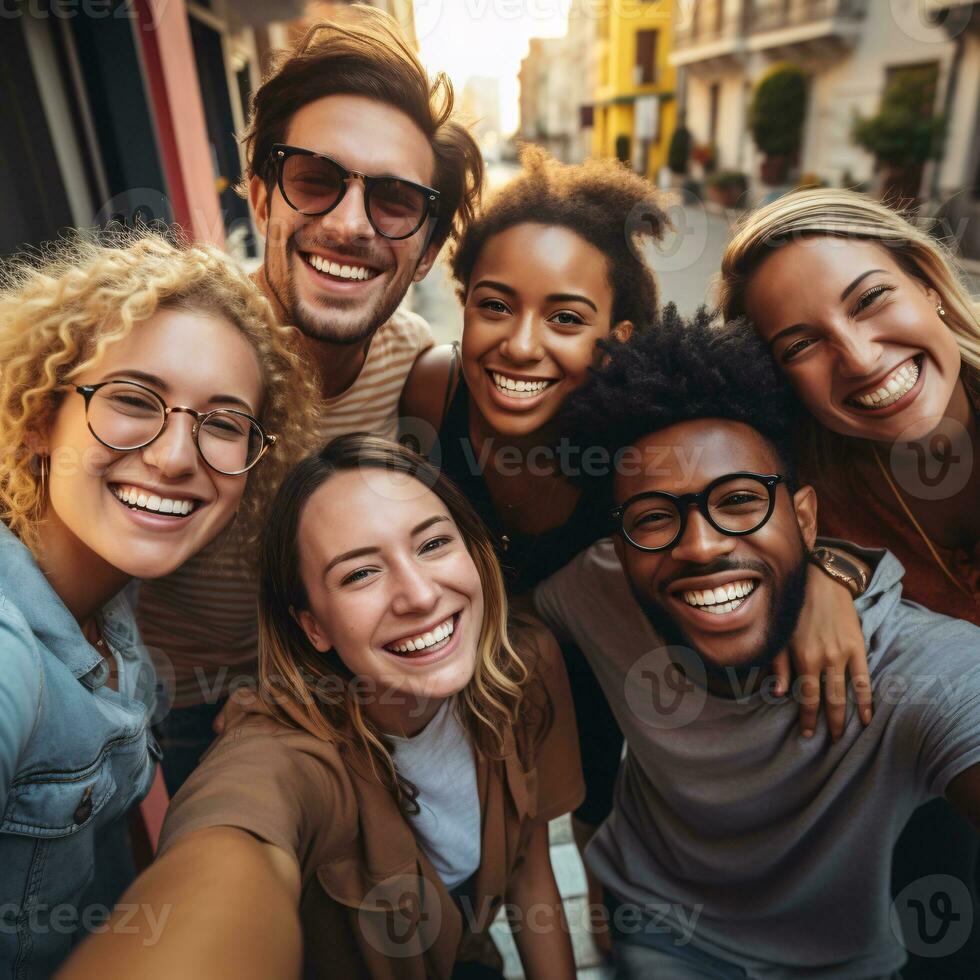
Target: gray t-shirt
{"x":763,"y":848}
{"x":439,"y":761}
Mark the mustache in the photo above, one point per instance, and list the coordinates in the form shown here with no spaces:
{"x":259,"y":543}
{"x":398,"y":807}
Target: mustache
{"x":349,"y":250}
{"x":691,"y":570}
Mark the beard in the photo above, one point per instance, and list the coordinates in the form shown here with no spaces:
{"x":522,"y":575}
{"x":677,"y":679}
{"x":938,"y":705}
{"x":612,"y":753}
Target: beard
{"x":338,"y":320}
{"x":782,"y":615}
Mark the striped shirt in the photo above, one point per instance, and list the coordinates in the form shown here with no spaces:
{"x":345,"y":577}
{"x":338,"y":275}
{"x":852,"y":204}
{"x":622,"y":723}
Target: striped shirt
{"x":202,"y":619}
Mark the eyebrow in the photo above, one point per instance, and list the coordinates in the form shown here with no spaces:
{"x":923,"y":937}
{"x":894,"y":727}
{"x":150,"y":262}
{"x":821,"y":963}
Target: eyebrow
{"x":156,"y":382}
{"x":798,"y":327}
{"x":372,"y":550}
{"x":550,"y":298}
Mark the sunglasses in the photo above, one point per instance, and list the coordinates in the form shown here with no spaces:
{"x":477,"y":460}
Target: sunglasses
{"x":314,"y":185}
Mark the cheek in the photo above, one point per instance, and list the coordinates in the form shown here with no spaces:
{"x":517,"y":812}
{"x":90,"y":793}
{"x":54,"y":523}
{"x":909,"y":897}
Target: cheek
{"x":230,"y":490}
{"x":574,"y":355}
{"x":479,"y":338}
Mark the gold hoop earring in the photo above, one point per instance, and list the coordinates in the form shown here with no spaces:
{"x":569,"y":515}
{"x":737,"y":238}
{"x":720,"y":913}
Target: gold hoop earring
{"x":939,"y":308}
{"x":44,"y":480}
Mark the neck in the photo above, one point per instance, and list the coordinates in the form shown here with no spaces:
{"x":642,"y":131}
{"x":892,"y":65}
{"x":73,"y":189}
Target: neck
{"x":406,"y":715}
{"x":82,"y":580}
{"x":736,"y":684}
{"x":338,"y":365}
{"x":481,"y":432}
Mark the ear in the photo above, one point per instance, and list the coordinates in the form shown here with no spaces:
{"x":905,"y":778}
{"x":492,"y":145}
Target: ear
{"x":315,"y":633}
{"x":258,"y":197}
{"x":426,"y":262}
{"x":805,"y":505}
{"x":622,"y":331}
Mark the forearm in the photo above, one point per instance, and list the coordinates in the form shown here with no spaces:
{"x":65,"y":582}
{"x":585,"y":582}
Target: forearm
{"x":214,"y":906}
{"x":538,"y":916}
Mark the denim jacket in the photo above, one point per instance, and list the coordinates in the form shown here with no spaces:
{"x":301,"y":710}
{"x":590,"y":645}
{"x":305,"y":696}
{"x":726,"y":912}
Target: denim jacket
{"x":75,"y":755}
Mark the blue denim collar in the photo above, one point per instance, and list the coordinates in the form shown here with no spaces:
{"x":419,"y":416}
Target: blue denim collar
{"x":23,"y":585}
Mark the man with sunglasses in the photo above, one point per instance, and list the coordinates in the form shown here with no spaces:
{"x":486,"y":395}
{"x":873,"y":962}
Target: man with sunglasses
{"x":737,"y":847}
{"x":356,"y":173}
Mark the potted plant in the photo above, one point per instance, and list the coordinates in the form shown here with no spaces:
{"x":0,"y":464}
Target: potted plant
{"x":727,"y":187}
{"x":776,"y":116}
{"x":903,"y":135}
{"x":680,"y":151}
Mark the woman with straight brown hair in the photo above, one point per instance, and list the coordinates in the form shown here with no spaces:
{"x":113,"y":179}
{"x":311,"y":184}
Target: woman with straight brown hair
{"x":392,"y":783}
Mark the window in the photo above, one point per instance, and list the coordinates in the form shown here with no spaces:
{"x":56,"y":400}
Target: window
{"x":645,"y":70}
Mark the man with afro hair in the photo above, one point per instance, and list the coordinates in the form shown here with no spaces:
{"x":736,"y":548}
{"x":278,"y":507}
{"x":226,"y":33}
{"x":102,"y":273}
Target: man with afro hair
{"x":736,"y":847}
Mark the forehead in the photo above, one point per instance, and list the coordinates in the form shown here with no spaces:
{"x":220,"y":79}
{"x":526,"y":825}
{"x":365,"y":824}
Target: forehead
{"x":540,"y":259}
{"x":364,"y":135}
{"x":685,"y":458}
{"x":364,"y":508}
{"x":810,"y":273}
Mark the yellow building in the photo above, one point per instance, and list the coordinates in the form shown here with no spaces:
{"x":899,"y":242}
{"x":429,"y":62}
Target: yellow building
{"x":634,"y":106}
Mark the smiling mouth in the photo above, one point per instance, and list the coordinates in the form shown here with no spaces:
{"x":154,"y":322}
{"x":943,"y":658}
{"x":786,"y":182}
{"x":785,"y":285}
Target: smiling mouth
{"x":519,"y":387}
{"x":422,"y":644}
{"x":138,"y":499}
{"x":720,"y":600}
{"x":895,"y":386}
{"x":342,"y":272}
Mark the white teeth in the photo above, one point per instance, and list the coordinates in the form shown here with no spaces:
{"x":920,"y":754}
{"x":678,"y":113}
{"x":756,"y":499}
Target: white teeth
{"x":722,"y":599}
{"x":899,"y":383}
{"x":516,"y":388}
{"x":425,"y":640}
{"x":153,"y":502}
{"x":335,"y":269}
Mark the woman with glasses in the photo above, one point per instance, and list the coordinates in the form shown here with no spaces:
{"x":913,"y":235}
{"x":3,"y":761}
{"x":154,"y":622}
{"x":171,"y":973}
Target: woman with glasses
{"x":141,"y":384}
{"x":865,"y":315}
{"x":390,"y":787}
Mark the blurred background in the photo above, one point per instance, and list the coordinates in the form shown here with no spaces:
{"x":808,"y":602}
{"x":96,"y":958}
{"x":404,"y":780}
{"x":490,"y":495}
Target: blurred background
{"x":128,"y":110}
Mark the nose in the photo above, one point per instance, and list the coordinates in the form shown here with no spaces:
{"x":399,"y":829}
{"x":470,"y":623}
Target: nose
{"x":415,"y":591}
{"x":173,"y":453}
{"x":523,"y":345}
{"x":701,"y":543}
{"x":348,"y":221}
{"x":858,"y":353}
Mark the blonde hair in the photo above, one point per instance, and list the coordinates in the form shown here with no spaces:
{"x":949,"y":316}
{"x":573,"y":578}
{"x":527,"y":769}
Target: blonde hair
{"x":63,"y":307}
{"x":847,"y":214}
{"x":314,"y":690}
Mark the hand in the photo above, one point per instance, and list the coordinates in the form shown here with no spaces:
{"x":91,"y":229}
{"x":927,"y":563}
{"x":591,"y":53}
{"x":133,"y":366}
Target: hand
{"x":827,"y":643}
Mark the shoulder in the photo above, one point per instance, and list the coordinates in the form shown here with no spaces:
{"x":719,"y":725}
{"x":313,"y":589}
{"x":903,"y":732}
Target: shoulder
{"x":425,"y":393}
{"x":21,"y":658}
{"x":406,"y":330}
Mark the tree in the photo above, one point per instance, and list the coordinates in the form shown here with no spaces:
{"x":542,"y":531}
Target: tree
{"x":776,"y":116}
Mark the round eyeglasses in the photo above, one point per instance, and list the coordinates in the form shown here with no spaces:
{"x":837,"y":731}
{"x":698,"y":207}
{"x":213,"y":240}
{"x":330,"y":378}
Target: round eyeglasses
{"x":125,"y":415}
{"x":314,"y":185}
{"x":734,"y":504}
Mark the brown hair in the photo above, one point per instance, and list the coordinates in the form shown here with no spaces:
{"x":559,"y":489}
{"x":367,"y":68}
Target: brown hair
{"x":602,"y":201}
{"x":372,"y":58}
{"x":295,"y":677}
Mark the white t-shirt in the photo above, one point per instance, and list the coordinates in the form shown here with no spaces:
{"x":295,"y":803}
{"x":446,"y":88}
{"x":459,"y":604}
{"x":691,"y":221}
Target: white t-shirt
{"x":439,"y":762}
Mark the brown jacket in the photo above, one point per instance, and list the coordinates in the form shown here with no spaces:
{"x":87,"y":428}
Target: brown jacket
{"x":372,"y":905}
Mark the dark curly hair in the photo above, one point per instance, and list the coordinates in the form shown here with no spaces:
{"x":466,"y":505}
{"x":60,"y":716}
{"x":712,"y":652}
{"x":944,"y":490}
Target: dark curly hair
{"x":684,"y":369}
{"x":602,"y":201}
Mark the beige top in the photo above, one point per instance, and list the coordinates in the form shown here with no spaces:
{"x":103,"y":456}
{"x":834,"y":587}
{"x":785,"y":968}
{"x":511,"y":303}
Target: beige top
{"x":372,"y":905}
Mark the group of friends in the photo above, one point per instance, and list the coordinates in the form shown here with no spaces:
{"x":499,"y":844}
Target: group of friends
{"x":711,"y":583}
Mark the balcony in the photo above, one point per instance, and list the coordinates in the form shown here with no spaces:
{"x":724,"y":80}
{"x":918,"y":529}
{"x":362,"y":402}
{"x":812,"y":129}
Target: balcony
{"x":706,"y":33}
{"x":801,"y":28}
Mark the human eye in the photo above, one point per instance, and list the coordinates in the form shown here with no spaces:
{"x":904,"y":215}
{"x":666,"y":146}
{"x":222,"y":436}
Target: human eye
{"x":797,"y":347}
{"x":494,"y":306}
{"x":869,"y":297}
{"x":435,"y":544}
{"x":358,"y":575}
{"x":567,"y":318}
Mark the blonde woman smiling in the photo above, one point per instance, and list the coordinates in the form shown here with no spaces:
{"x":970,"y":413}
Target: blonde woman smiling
{"x":141,"y":384}
{"x":392,"y":785}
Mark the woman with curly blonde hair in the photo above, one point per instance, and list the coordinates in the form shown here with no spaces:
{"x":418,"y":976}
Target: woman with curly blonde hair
{"x":865,"y":314}
{"x":141,"y":383}
{"x":392,"y":783}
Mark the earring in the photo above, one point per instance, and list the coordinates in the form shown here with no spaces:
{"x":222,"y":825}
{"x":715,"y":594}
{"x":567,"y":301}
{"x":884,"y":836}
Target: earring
{"x":44,"y":479}
{"x":940,"y":309}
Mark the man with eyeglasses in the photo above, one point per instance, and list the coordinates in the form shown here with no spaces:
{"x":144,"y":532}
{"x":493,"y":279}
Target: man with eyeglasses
{"x":356,"y":173}
{"x":736,"y":847}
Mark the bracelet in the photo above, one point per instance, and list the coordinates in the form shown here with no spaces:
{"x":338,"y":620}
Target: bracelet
{"x":841,"y":568}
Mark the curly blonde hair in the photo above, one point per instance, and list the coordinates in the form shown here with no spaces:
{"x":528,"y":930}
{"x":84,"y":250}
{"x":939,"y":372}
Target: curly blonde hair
{"x":63,"y":306}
